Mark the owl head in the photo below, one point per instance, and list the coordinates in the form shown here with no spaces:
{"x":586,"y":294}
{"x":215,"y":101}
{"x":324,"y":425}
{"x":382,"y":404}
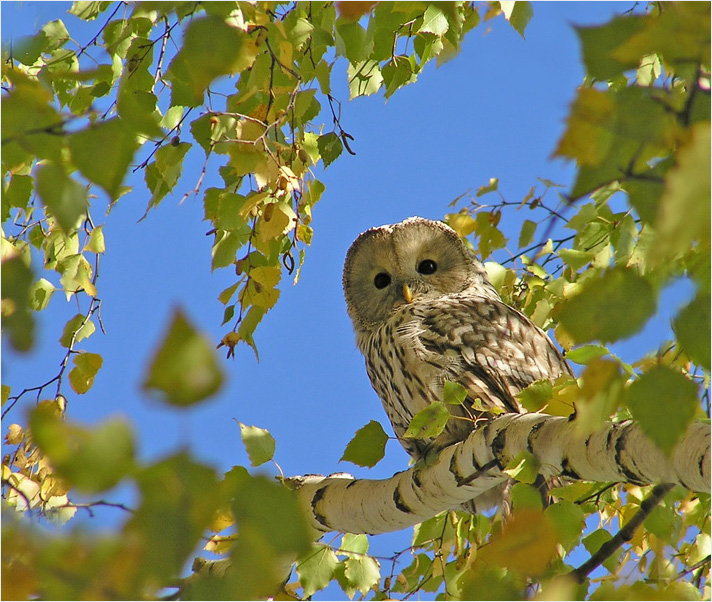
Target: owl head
{"x":413,"y":261}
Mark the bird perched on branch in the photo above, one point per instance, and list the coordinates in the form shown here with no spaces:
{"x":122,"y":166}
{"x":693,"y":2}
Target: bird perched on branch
{"x":425,"y":313}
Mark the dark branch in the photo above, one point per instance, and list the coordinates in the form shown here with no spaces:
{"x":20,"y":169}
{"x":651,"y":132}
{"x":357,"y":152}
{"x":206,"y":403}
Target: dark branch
{"x":624,"y":535}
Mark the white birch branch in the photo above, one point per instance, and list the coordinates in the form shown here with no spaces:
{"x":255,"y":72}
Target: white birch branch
{"x":617,"y":452}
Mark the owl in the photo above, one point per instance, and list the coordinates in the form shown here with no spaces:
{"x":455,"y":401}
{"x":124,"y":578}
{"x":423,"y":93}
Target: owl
{"x":424,"y":313}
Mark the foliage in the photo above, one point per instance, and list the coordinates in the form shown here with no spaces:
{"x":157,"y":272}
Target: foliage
{"x":240,"y":85}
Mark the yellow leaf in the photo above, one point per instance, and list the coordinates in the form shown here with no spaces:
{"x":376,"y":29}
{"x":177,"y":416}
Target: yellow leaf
{"x":220,"y":544}
{"x":276,"y":222}
{"x":526,"y":544}
{"x":251,"y":201}
{"x":222,"y":520}
{"x":462,"y":223}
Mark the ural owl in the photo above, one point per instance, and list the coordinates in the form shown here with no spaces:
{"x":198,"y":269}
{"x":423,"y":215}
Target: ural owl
{"x":424,"y":312}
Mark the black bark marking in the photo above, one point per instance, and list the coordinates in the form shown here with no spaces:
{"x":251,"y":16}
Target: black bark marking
{"x":400,"y":502}
{"x":315,"y":500}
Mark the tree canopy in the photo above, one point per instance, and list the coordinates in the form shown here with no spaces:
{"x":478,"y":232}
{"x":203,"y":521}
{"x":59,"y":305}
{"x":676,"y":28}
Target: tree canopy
{"x":241,"y":89}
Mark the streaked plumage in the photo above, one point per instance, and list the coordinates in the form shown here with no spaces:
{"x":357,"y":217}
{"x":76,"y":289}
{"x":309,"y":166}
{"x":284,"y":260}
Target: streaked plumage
{"x":424,"y":312}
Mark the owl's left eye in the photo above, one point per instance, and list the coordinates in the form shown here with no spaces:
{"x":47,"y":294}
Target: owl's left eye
{"x":427,"y":267}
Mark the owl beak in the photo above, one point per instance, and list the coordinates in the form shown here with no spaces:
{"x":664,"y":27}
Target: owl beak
{"x":407,"y":293}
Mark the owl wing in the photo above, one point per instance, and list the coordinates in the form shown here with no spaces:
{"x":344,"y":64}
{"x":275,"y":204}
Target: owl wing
{"x":493,"y":350}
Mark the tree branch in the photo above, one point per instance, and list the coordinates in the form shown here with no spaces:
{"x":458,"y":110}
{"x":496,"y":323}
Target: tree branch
{"x":624,"y":535}
{"x":617,"y":452}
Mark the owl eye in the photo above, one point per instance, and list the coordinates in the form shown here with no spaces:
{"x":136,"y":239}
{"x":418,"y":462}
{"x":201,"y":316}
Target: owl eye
{"x":382,"y":280}
{"x":427,"y":266}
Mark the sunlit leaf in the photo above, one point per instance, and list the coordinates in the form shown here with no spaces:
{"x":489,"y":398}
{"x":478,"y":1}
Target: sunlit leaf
{"x":258,"y":443}
{"x":330,"y":147}
{"x":76,"y":329}
{"x":585,"y":353}
{"x":453,"y":393}
{"x":362,"y":573}
{"x":316,"y":568}
{"x":428,"y":422}
{"x":524,"y":467}
{"x":86,"y":366}
{"x":684,"y":210}
{"x":518,"y":14}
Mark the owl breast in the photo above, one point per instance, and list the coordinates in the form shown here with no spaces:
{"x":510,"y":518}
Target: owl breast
{"x":408,"y":377}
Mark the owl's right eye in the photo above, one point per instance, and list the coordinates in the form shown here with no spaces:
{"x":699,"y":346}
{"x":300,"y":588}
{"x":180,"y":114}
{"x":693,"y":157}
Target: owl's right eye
{"x":382,"y":280}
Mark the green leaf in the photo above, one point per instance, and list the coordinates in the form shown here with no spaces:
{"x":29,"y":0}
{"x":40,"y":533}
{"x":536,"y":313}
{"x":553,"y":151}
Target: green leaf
{"x":211,"y":48}
{"x":584,"y":354}
{"x":163,"y":173}
{"x":16,"y":286}
{"x":316,"y":569}
{"x":526,"y":236}
{"x":607,"y":308}
{"x":76,"y":329}
{"x":17,"y":193}
{"x":398,"y":72}
{"x":30,"y":124}
{"x":453,"y":393}
{"x":258,"y":443}
{"x":663,"y":522}
{"x":575,"y":258}
{"x":524,"y":467}
{"x":598,"y":44}
{"x":273,"y":532}
{"x":353,"y":41}
{"x":593,"y":543}
{"x":663,"y":402}
{"x":692,"y":328}
{"x":184,"y":370}
{"x":524,"y":496}
{"x":684,"y":210}
{"x":534,"y":396}
{"x":179,"y":498}
{"x":65,"y":198}
{"x":103,"y":152}
{"x":86,"y":366}
{"x":429,"y":422}
{"x":330,"y":147}
{"x":568,"y":520}
{"x":434,"y":21}
{"x":362,"y":573}
{"x":90,"y":459}
{"x":77,"y":275}
{"x":365,"y":78}
{"x":368,"y":445}
{"x":96,"y":244}
{"x":352,"y":543}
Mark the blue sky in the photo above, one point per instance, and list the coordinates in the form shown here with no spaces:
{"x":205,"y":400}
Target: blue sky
{"x":496,"y":110}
